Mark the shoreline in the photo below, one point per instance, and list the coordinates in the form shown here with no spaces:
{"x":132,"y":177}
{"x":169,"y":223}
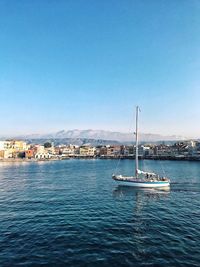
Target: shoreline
{"x":18,"y":160}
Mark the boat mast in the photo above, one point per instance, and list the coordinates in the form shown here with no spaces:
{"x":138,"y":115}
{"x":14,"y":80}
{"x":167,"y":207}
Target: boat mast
{"x":136,"y":144}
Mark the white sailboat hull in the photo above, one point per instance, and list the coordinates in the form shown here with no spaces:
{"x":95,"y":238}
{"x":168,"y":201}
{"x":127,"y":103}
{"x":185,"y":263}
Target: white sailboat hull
{"x":142,"y":183}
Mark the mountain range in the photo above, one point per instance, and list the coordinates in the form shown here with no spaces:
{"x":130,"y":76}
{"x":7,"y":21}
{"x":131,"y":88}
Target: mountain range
{"x":101,"y":135}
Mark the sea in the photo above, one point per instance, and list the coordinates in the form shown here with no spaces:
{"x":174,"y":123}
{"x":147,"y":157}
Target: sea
{"x":71,"y":213}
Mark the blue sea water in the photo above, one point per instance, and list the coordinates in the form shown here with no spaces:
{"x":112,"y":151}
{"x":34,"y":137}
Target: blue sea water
{"x":71,"y":213}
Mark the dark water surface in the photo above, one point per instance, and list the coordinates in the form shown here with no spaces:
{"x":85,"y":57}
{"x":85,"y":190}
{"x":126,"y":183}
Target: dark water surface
{"x":71,"y":213}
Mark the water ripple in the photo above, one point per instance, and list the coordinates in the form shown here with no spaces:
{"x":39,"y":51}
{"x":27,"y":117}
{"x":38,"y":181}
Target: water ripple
{"x":71,"y":213}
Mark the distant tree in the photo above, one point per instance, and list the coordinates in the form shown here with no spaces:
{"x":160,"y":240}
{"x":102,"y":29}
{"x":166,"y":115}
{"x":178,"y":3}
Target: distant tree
{"x":47,"y":144}
{"x":21,"y":155}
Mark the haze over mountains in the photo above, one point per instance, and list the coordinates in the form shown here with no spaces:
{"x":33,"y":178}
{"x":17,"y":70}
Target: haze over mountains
{"x":102,"y":135}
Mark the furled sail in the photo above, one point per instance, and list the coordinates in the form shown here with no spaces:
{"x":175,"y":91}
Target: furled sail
{"x":142,"y":172}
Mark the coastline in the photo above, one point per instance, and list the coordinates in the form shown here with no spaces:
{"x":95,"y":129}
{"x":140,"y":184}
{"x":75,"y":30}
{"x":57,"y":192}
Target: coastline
{"x":18,"y":160}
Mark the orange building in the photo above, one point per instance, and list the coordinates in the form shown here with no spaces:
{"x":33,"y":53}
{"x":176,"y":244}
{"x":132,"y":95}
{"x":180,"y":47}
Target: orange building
{"x":29,"y":154}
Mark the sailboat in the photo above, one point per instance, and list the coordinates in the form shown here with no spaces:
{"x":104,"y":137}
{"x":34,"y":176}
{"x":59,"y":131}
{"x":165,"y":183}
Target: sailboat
{"x":141,"y":178}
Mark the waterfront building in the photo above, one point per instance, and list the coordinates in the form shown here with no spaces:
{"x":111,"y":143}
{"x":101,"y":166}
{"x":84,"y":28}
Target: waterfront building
{"x":125,"y":150}
{"x":87,"y":151}
{"x":42,"y":153}
{"x":131,"y":151}
{"x":1,"y":145}
{"x":103,"y":151}
{"x":5,"y":145}
{"x":98,"y":151}
{"x":142,"y":150}
{"x":69,"y":151}
{"x":11,"y":148}
{"x":114,"y":151}
{"x":30,"y":153}
{"x":39,"y":148}
{"x":19,"y":145}
{"x":8,"y":153}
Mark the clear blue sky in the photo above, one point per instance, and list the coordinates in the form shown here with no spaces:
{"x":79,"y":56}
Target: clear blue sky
{"x":87,"y":64}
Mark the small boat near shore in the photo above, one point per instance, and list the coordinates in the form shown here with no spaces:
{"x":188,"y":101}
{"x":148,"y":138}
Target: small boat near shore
{"x":141,"y":178}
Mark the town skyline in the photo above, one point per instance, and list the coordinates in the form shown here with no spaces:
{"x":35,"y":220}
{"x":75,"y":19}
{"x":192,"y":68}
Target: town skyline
{"x":86,"y":65}
{"x":17,"y":150}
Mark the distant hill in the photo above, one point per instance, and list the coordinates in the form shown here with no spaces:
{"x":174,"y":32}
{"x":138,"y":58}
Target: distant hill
{"x":74,"y":141}
{"x":98,"y":137}
{"x":106,"y":135}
